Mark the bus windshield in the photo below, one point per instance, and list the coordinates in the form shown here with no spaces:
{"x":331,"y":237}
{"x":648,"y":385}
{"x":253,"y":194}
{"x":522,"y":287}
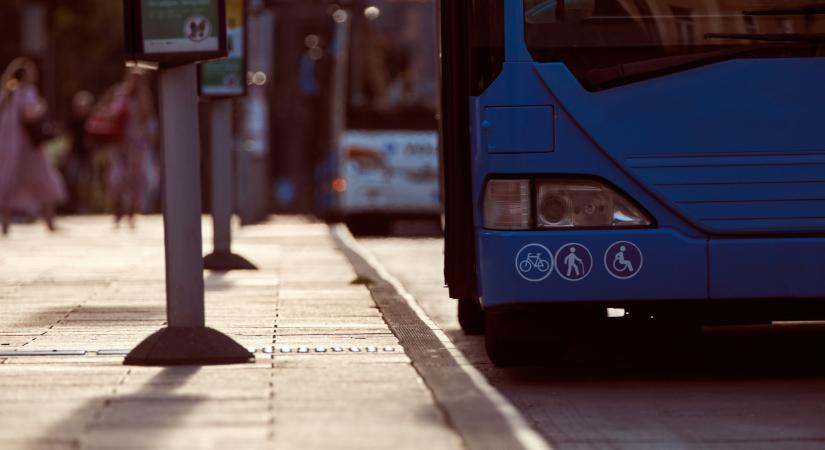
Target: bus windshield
{"x":392,"y":69}
{"x":611,"y":42}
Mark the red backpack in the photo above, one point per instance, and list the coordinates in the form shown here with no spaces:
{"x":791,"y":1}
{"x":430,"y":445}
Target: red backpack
{"x":108,"y":122}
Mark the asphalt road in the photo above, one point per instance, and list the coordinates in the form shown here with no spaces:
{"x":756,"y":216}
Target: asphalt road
{"x":761,"y":387}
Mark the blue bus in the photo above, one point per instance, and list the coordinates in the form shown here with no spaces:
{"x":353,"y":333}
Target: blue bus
{"x":634,"y":160}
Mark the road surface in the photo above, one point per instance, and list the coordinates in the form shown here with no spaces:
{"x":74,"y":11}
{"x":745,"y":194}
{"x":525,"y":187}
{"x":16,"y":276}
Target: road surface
{"x":742,"y":389}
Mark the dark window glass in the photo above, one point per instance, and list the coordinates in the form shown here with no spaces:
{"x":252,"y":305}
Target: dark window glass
{"x":392,"y":76}
{"x":611,"y":42}
{"x":486,"y":43}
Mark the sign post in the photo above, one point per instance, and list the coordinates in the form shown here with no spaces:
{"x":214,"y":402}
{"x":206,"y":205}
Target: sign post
{"x":220,"y":81}
{"x":173,"y":35}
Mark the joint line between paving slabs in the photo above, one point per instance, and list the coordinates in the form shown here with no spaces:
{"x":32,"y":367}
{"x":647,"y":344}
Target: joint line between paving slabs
{"x":271,"y":384}
{"x":54,"y":324}
{"x":107,"y":401}
{"x":75,"y":309}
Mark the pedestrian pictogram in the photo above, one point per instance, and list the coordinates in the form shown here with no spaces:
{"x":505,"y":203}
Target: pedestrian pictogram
{"x":574,"y":262}
{"x":623,"y":260}
{"x":534,"y":262}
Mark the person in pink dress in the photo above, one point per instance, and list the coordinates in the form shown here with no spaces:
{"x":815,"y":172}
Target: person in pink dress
{"x":28,"y":182}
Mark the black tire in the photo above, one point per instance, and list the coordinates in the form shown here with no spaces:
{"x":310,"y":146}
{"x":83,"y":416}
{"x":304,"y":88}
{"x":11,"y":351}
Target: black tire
{"x":522,"y":338}
{"x":504,"y":341}
{"x":471,"y":316}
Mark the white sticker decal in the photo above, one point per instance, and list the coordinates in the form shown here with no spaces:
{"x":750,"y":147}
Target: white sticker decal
{"x":534,"y":262}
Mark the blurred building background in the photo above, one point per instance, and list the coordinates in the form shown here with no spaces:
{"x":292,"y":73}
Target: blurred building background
{"x":77,"y":44}
{"x":300,"y":99}
{"x":282,"y":124}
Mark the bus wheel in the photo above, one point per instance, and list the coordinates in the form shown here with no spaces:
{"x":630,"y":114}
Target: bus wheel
{"x":522,"y":338}
{"x":470,"y":316}
{"x":504,"y":340}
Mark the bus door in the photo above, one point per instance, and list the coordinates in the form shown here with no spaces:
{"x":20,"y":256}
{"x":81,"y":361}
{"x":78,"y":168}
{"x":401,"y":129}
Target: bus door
{"x":459,"y":251}
{"x":472,"y":54}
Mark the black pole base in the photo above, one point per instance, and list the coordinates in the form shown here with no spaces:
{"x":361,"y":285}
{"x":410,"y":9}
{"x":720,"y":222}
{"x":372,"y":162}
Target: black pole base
{"x":226,"y":261}
{"x":187,"y":346}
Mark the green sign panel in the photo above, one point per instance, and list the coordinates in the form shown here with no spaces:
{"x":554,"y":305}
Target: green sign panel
{"x":227,"y":77}
{"x":180,"y":26}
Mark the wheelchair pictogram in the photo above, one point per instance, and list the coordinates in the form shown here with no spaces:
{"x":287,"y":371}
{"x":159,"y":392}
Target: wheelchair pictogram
{"x":623,"y":260}
{"x":534,"y":262}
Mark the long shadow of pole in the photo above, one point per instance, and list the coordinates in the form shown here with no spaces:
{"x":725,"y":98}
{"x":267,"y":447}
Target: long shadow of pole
{"x":124,"y":420}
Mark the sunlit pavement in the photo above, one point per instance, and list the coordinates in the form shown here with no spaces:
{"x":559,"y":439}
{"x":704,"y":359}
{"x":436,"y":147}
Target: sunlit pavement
{"x":91,"y":287}
{"x":763,"y":391}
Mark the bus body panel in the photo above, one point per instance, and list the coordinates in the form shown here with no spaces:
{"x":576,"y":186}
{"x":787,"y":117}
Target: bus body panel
{"x":699,"y":187}
{"x":673,"y":267}
{"x":574,"y":151}
{"x":767,"y":268}
{"x":389,"y":172}
{"x":750,"y":125}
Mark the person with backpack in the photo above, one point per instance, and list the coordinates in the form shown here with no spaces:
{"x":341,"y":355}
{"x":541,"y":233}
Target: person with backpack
{"x":124,"y":124}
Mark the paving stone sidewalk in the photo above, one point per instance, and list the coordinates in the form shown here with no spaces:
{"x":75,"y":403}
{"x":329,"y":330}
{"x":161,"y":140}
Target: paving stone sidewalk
{"x":93,"y":287}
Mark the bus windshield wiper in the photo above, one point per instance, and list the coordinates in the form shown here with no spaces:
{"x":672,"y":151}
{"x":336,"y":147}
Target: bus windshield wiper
{"x":620,"y":72}
{"x":770,"y":37}
{"x":802,"y":10}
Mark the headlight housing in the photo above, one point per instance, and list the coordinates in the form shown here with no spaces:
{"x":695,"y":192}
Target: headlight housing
{"x":560,"y":203}
{"x":507,"y":205}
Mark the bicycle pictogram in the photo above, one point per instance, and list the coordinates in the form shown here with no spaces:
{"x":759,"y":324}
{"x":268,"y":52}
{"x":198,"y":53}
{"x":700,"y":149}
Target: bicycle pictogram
{"x":534,"y":262}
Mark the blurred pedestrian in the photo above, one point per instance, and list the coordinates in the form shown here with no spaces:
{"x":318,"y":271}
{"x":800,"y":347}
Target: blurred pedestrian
{"x":80,"y":172}
{"x":129,"y":108}
{"x":28,"y":182}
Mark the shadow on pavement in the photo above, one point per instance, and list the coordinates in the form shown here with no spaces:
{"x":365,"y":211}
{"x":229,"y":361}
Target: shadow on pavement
{"x":745,"y":388}
{"x":785,"y":350}
{"x":138,"y":419}
{"x":396,"y":228}
{"x":93,"y":315}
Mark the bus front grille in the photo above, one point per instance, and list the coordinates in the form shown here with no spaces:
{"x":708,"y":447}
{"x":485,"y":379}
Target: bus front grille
{"x":754,"y":193}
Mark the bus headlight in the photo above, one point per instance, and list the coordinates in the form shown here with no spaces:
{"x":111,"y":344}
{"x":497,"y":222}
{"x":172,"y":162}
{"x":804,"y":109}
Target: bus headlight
{"x":507,"y":205}
{"x":555,"y":208}
{"x":570,"y":203}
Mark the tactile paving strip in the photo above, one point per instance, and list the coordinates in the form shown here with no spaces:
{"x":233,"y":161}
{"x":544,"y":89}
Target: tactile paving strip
{"x":300,"y":349}
{"x":334,"y":349}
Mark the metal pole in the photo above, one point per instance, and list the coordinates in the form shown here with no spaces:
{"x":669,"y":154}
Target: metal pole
{"x":186,"y":340}
{"x":181,"y":196}
{"x":222,"y":175}
{"x":222,"y":258}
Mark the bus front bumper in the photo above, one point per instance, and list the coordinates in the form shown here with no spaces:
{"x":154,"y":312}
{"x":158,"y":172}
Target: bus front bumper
{"x":613,"y":267}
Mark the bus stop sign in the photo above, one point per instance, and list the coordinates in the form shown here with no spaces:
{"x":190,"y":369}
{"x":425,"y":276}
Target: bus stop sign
{"x":227,"y":77}
{"x":175,"y":32}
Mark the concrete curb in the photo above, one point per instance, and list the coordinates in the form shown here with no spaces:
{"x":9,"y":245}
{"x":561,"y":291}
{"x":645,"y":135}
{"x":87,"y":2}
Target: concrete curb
{"x":479,"y":413}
